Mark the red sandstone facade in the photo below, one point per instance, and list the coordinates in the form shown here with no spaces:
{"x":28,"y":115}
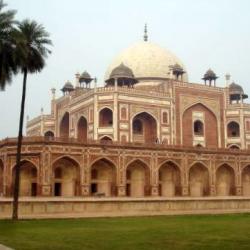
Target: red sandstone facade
{"x":137,"y":136}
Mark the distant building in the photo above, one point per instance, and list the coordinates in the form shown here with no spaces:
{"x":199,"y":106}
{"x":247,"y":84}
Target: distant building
{"x":147,"y":132}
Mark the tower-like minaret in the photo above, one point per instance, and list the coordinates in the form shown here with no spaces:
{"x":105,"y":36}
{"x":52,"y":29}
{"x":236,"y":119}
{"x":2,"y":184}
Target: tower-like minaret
{"x":145,"y":37}
{"x":227,"y":76}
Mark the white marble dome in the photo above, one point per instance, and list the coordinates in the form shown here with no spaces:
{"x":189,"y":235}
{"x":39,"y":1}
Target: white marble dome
{"x":147,"y":61}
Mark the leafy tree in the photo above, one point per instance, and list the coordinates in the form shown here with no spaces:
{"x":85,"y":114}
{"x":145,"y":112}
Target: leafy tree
{"x":31,"y":50}
{"x":8,"y":64}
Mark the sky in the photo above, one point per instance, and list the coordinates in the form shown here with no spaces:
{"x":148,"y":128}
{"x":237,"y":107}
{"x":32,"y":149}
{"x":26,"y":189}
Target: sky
{"x":87,"y":35}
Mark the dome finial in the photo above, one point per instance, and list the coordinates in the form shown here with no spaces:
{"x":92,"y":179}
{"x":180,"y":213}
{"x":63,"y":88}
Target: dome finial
{"x":145,"y":37}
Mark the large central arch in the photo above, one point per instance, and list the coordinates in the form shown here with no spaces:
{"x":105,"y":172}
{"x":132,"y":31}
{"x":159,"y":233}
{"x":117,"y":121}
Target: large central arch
{"x":209,"y":128}
{"x":169,"y":179}
{"x":103,"y":178}
{"x":225,"y":180}
{"x":28,"y":179}
{"x":64,"y":126}
{"x":66,"y":174}
{"x":198,"y":180}
{"x":138,"y":179}
{"x":144,"y":128}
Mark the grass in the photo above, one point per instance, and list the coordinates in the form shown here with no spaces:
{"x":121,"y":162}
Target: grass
{"x":140,"y":233}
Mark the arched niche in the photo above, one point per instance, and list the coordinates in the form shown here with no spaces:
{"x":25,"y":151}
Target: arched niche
{"x":246,"y":181}
{"x":225,"y":181}
{"x":66,"y":173}
{"x":198,"y":180}
{"x":82,"y":129}
{"x":233,"y":129}
{"x":144,"y":128}
{"x":198,"y":128}
{"x":28,"y":179}
{"x":106,"y":118}
{"x":105,"y":140}
{"x":169,"y":180}
{"x":138,"y":179}
{"x":233,"y":146}
{"x":49,"y":134}
{"x":103,"y":178}
{"x":64,"y":126}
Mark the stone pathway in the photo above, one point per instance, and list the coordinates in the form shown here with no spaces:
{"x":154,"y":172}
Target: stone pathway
{"x":2,"y":247}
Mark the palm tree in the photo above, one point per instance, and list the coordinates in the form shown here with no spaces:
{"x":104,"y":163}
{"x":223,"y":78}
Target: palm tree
{"x":31,"y":51}
{"x":8,"y":65}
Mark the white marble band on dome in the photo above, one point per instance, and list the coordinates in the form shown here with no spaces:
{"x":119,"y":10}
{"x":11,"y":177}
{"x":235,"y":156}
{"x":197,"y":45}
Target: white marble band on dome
{"x":147,"y":61}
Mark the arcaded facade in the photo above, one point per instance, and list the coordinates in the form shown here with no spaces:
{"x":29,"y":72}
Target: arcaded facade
{"x":147,"y":131}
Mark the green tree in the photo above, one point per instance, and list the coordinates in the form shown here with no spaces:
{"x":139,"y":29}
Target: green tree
{"x":31,"y":50}
{"x":8,"y":64}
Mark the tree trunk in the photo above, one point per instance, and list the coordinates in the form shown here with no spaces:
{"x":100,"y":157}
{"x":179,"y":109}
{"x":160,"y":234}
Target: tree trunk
{"x":19,"y":147}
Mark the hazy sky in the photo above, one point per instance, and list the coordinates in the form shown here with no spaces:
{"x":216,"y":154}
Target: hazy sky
{"x":88,"y":34}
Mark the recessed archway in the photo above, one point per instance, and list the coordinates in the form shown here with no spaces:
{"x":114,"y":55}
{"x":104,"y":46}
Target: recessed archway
{"x":137,"y":179}
{"x":49,"y":134}
{"x":198,"y":180}
{"x":208,"y":128}
{"x":82,"y":129}
{"x":246,"y":181}
{"x":1,"y":178}
{"x":225,"y":180}
{"x":169,"y":180}
{"x":64,"y":126}
{"x":28,"y":179}
{"x":66,"y":173}
{"x":234,"y":146}
{"x":144,"y":128}
{"x":106,"y":118}
{"x":233,"y":129}
{"x":103,"y":178}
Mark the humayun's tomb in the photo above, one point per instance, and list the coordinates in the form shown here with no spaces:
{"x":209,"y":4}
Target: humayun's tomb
{"x":147,"y":142}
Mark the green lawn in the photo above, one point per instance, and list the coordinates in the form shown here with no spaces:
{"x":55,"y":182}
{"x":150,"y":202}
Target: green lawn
{"x":162,"y":232}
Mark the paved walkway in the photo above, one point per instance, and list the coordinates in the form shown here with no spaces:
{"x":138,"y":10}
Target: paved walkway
{"x":2,"y":247}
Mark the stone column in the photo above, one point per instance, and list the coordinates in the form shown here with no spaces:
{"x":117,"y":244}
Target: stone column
{"x":115,"y":113}
{"x":242,"y":134}
{"x":96,"y":117}
{"x":238,"y":190}
{"x":86,"y":173}
{"x":7,"y":174}
{"x":212,"y":191}
{"x":185,"y":190}
{"x":212,"y":181}
{"x":46,"y":174}
{"x":238,"y":179}
{"x":155,"y":190}
{"x":184,"y":176}
{"x":154,"y":175}
{"x":121,"y":176}
{"x":85,"y":190}
{"x":121,"y":191}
